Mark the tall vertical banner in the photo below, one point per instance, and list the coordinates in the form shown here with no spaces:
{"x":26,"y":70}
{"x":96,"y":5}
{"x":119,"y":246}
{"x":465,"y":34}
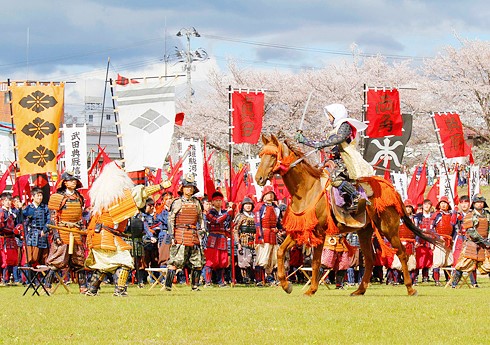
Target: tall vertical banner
{"x":193,"y":163}
{"x":254,"y":164}
{"x":383,"y":113}
{"x":75,"y":141}
{"x":248,"y":112}
{"x":400,"y":182}
{"x":387,"y":152}
{"x":451,"y":134}
{"x":146,"y":116}
{"x":447,"y":187}
{"x":474,"y":182}
{"x":37,"y":113}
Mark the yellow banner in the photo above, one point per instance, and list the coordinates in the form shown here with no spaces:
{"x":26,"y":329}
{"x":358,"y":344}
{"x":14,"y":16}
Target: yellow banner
{"x":37,"y":112}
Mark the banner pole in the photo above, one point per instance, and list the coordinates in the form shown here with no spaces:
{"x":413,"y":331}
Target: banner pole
{"x":442,"y":155}
{"x":230,"y":164}
{"x":116,"y":119}
{"x":103,"y":98}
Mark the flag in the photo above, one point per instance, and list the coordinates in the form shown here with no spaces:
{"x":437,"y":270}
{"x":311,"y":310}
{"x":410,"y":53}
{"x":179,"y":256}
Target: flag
{"x":451,"y":134}
{"x":412,"y":186}
{"x":433,"y":194}
{"x":248,"y":111}
{"x":146,"y":116}
{"x":474,"y":181}
{"x":75,"y":143}
{"x":125,"y":81}
{"x":381,"y":151}
{"x":421,"y":184}
{"x":37,"y":113}
{"x":193,"y":161}
{"x":239,"y":190}
{"x":448,"y":186}
{"x":3,"y":179}
{"x":383,"y":113}
{"x":43,"y":183}
{"x":400,"y":184}
{"x":22,"y":188}
{"x":209,"y":187}
{"x":179,"y":119}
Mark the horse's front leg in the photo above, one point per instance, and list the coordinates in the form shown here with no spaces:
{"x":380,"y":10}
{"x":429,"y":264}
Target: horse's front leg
{"x":281,"y":272}
{"x":365,"y":241}
{"x":315,"y":266}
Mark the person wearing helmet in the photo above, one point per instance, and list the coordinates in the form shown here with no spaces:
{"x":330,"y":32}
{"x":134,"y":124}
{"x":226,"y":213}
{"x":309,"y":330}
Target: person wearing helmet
{"x":476,"y":248}
{"x":350,"y":164}
{"x":216,"y":253}
{"x":444,"y":228}
{"x":460,"y":212}
{"x":407,"y":238}
{"x":244,"y":232}
{"x":186,"y":228}
{"x":66,"y":206}
{"x":423,"y":249}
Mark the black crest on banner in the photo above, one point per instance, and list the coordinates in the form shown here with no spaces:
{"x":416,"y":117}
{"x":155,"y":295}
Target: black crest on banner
{"x":379,"y":151}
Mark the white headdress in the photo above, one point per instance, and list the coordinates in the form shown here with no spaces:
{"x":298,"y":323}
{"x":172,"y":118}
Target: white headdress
{"x":340,"y":115}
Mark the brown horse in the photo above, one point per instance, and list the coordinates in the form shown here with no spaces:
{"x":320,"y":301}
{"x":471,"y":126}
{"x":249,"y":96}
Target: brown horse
{"x":313,"y":215}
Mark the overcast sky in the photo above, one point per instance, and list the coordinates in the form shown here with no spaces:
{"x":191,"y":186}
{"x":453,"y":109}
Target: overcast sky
{"x":72,"y":39}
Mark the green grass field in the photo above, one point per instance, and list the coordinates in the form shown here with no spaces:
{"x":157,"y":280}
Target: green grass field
{"x":248,"y":315}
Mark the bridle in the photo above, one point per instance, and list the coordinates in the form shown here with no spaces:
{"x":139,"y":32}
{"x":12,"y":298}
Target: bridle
{"x":283,"y":163}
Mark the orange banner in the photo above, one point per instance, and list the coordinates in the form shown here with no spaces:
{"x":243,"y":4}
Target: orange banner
{"x":37,"y":113}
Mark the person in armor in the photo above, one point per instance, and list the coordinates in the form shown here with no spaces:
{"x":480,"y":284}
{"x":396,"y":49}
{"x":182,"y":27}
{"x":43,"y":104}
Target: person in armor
{"x":66,"y":206}
{"x":423,"y":249}
{"x":460,"y":237}
{"x":244,"y":232}
{"x":8,"y":243}
{"x":444,"y":229}
{"x":164,"y":239}
{"x":186,"y":227}
{"x":476,"y":248}
{"x":151,"y":226}
{"x":216,"y":252}
{"x":36,"y":216}
{"x":407,"y":238}
{"x":114,"y":200}
{"x":268,"y":224}
{"x":350,"y":164}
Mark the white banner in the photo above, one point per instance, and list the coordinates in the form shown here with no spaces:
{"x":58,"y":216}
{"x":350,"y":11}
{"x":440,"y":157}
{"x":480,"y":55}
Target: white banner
{"x":75,"y":142}
{"x":254,"y":164}
{"x":448,"y":187}
{"x":401,"y":184}
{"x":474,"y":182}
{"x":147,"y":117}
{"x":193,"y":163}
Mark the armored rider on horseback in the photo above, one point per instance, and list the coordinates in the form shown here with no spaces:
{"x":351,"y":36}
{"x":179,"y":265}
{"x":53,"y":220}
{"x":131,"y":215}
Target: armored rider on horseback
{"x":350,"y":164}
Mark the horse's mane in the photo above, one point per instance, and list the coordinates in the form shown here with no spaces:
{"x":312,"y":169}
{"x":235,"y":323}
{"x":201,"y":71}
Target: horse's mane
{"x":315,"y":172}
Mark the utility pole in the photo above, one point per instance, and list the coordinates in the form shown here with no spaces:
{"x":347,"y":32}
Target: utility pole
{"x":188,"y":57}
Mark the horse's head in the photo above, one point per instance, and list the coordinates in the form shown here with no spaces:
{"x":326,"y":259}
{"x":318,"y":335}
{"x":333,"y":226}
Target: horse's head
{"x":270,"y":159}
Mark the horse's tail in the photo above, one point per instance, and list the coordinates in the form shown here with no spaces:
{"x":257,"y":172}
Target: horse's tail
{"x":387,"y":196}
{"x":418,"y":232}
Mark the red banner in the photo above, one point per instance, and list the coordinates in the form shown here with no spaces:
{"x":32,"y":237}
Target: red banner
{"x":383,"y":113}
{"x":451,"y":134}
{"x":248,"y":111}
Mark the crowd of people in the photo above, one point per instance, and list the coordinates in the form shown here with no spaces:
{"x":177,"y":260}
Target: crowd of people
{"x":129,"y":228}
{"x":191,"y":237}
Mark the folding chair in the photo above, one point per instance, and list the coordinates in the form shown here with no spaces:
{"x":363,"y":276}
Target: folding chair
{"x":60,"y":280}
{"x":307,"y":271}
{"x":34,"y":278}
{"x":156,"y":280}
{"x":450,"y":272}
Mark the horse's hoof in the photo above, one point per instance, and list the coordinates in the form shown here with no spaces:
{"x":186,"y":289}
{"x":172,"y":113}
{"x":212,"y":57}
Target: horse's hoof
{"x":357,"y":293}
{"x":289,"y":288}
{"x":414,"y":293}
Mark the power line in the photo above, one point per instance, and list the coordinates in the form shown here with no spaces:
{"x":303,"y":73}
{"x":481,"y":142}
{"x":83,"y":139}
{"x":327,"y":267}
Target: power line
{"x":315,"y":50}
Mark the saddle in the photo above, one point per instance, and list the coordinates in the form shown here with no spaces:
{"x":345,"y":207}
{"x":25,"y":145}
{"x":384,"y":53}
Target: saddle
{"x":352,"y":219}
